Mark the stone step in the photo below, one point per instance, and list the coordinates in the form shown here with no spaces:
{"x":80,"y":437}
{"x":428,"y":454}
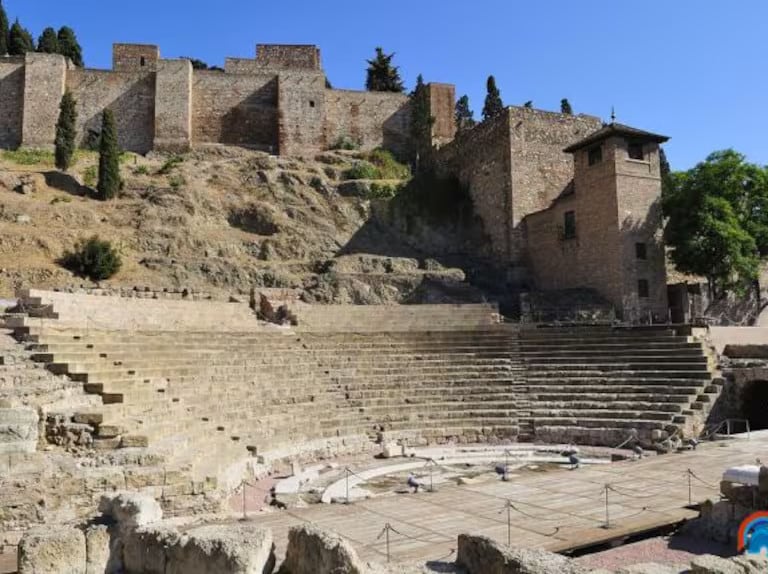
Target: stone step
{"x":596,"y":413}
{"x":619,"y":373}
{"x":604,"y":351}
{"x":615,"y":359}
{"x":681,"y":343}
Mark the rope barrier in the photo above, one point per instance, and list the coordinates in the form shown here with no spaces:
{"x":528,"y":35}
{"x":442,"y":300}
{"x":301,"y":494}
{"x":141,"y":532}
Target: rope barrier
{"x":701,"y":480}
{"x":625,"y":492}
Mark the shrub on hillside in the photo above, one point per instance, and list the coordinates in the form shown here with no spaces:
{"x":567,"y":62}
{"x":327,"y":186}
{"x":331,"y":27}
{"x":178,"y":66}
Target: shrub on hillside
{"x":93,"y":258}
{"x":389,"y":167}
{"x":346,"y":143}
{"x":362,"y":170}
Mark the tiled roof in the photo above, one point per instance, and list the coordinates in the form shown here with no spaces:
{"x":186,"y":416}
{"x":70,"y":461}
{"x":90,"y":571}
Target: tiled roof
{"x":614,"y":129}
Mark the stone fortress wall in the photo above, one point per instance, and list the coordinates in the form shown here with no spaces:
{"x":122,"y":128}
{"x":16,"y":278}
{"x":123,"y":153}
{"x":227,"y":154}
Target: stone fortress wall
{"x":277,"y":102}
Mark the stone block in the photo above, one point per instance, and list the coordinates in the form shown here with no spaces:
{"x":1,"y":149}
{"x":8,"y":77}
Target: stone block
{"x":145,"y":549}
{"x":52,"y":550}
{"x":708,"y":564}
{"x":481,"y":555}
{"x":314,"y":551}
{"x":130,"y":510}
{"x":18,"y":430}
{"x":231,"y":549}
{"x":103,"y":550}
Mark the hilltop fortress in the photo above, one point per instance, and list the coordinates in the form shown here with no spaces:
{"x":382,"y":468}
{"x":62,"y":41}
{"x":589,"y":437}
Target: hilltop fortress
{"x":565,"y":201}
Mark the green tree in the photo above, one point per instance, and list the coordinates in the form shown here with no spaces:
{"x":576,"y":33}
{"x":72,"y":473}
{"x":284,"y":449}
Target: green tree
{"x":382,"y":76}
{"x":93,"y":258}
{"x":20,"y":40}
{"x":421,"y":121}
{"x":493,"y":105}
{"x":717,"y":221}
{"x":69,"y":46}
{"x":565,"y":107}
{"x":4,"y":30}
{"x":109,"y":158}
{"x":528,"y":104}
{"x":48,"y":42}
{"x":465,"y":117}
{"x":66,"y":131}
{"x":664,"y":170}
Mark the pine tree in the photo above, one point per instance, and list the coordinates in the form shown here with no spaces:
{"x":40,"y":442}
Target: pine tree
{"x":48,"y":42}
{"x":528,"y":104}
{"x":69,"y":46}
{"x":109,"y":158}
{"x":4,"y":31}
{"x":565,"y":107}
{"x":382,"y":75}
{"x":493,"y":104}
{"x":66,"y":131}
{"x":20,"y":40}
{"x":421,"y":121}
{"x":464,"y":115}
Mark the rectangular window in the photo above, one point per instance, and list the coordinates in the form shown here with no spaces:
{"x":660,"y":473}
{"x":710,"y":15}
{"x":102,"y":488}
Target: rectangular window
{"x":595,"y":155}
{"x":635,"y":151}
{"x":641,"y":252}
{"x":642,"y":288}
{"x":569,"y":225}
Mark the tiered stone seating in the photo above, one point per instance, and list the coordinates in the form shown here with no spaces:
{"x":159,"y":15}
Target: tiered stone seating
{"x":597,"y":385}
{"x":208,"y":398}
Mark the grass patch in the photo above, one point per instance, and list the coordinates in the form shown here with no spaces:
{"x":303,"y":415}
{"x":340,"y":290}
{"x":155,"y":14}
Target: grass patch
{"x":141,"y":170}
{"x":388,"y":166}
{"x":170,"y":164}
{"x":346,"y":143}
{"x":62,"y":199}
{"x":29,"y":156}
{"x":362,"y":170}
{"x":383,"y":190}
{"x":176,"y":181}
{"x":91,"y":175}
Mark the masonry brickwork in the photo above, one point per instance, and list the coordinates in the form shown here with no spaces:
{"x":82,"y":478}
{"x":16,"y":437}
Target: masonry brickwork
{"x":276,"y":102}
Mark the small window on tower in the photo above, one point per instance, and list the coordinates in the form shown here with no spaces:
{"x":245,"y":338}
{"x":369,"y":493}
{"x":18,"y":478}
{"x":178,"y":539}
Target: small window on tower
{"x":635,"y":151}
{"x":595,"y":155}
{"x":642,"y":288}
{"x":641,"y":251}
{"x":569,"y":225}
{"x":311,"y":103}
{"x":143,"y":61}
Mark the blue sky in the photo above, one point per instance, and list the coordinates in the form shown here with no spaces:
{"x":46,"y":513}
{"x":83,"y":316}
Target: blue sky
{"x":690,"y":69}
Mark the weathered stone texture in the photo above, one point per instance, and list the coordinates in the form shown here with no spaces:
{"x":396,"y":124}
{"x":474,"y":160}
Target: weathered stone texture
{"x":482,"y":161}
{"x":288,"y":57}
{"x":44,"y":79}
{"x":11,"y":101}
{"x":52,"y":551}
{"x":301,"y":104}
{"x":315,"y":551}
{"x":235,"y":109}
{"x":481,"y":555}
{"x":173,"y":105}
{"x":18,"y":430}
{"x":130,"y":95}
{"x":135,"y":57}
{"x":372,"y":119}
{"x":131,"y":509}
{"x":442,"y":102}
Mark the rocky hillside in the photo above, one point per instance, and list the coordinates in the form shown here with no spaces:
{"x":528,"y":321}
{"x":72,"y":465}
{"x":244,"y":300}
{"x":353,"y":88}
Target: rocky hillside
{"x":223,"y":219}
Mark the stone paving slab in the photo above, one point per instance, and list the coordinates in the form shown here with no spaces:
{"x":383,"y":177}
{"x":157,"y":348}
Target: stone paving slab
{"x":558,"y":510}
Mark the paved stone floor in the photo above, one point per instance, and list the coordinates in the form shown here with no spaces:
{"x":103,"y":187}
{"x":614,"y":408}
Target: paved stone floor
{"x":556,"y":511}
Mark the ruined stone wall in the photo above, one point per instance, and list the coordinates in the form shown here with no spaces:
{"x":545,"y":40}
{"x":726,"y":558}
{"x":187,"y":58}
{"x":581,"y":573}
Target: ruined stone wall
{"x":301,"y":104}
{"x":44,"y":78}
{"x":640,"y":221}
{"x":173,"y":105}
{"x":442,"y":105}
{"x":482,"y":160}
{"x":130,"y":95}
{"x":288,"y":57}
{"x":135,"y":57}
{"x":235,"y":109}
{"x":11,"y":101}
{"x":372,"y":119}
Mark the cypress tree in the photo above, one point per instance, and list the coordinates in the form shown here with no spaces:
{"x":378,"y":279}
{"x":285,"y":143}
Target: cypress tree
{"x":66,"y":131}
{"x":20,"y":40}
{"x":109,"y":158}
{"x":48,"y":42}
{"x":382,"y":76}
{"x":4,"y":30}
{"x":464,"y":115}
{"x":69,"y":46}
{"x":421,"y":120}
{"x":493,"y":104}
{"x":565,"y":107}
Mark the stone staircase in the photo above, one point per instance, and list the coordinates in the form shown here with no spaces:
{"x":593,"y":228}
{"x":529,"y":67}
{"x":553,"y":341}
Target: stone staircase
{"x":597,"y":385}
